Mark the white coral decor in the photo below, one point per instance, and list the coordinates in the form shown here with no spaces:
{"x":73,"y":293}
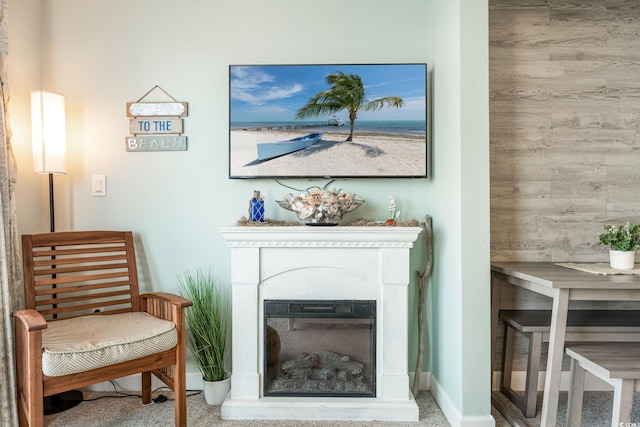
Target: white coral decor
{"x":321,"y":206}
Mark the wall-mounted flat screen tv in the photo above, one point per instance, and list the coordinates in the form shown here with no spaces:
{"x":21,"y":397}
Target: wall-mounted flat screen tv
{"x":328,"y":121}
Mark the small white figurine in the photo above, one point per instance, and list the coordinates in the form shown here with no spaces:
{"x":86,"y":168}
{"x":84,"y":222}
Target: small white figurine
{"x":394,"y":216}
{"x":392,"y":206}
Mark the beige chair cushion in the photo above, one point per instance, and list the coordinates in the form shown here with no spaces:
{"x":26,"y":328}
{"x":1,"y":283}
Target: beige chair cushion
{"x":85,"y":343}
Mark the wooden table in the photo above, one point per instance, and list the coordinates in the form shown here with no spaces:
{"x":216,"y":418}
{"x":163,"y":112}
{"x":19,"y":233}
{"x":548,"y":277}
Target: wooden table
{"x":562,"y":285}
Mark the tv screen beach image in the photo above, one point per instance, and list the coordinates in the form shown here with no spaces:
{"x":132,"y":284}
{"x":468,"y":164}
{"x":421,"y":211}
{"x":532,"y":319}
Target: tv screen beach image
{"x":327,"y":121}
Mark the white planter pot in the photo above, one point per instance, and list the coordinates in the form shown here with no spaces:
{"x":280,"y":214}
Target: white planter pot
{"x":622,"y":260}
{"x":216,"y":391}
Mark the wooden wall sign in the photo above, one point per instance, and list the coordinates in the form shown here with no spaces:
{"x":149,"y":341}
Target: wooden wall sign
{"x":148,"y":125}
{"x":135,"y":109}
{"x":157,"y":143}
{"x":156,"y":126}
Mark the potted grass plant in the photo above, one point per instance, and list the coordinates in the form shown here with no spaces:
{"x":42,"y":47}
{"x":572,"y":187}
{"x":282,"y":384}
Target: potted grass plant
{"x":623,"y":241}
{"x":206,"y":322}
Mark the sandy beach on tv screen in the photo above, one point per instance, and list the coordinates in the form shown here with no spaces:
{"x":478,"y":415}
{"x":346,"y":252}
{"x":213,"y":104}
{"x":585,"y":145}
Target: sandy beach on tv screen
{"x":367,"y":155}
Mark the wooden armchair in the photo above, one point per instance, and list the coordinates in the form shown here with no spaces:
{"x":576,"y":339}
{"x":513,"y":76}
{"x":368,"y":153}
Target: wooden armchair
{"x":61,"y":344}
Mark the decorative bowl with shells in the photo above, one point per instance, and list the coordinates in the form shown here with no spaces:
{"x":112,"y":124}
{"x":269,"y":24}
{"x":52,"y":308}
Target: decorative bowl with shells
{"x":321,"y":207}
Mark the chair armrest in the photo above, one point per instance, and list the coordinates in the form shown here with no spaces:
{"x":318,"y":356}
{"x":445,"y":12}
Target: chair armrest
{"x":30,"y":320}
{"x":169,"y":298}
{"x":165,"y":306}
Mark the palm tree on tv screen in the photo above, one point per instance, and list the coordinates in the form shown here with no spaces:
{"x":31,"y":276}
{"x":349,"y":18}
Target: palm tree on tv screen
{"x":346,"y":92}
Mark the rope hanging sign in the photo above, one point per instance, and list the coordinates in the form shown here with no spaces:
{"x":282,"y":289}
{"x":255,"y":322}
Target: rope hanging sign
{"x":156,"y":126}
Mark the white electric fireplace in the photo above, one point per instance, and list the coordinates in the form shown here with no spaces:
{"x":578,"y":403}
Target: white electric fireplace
{"x":319,"y":323}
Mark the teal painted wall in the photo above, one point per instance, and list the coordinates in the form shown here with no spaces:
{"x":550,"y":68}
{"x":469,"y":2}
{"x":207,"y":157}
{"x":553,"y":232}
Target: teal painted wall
{"x":104,"y":54}
{"x":460,"y":302}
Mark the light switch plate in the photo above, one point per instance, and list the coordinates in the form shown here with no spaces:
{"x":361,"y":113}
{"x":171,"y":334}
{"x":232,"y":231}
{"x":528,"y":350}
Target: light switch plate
{"x":98,"y":185}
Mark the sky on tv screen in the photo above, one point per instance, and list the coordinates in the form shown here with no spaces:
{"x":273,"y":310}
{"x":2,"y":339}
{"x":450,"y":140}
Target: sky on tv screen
{"x":270,"y":93}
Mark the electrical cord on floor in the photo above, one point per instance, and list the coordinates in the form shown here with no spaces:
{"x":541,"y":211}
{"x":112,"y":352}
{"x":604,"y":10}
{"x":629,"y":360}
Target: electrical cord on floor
{"x":161,"y":398}
{"x":158,"y":399}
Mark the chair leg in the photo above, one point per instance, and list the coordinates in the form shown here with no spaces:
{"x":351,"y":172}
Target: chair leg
{"x":146,"y":387}
{"x":507,"y":359}
{"x":533,"y":370}
{"x":180,"y":381}
{"x":622,"y":402}
{"x":31,"y":408}
{"x":29,"y":378}
{"x":180,"y":394}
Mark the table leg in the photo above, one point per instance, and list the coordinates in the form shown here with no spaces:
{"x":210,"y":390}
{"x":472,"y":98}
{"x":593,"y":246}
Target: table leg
{"x":554,"y":358}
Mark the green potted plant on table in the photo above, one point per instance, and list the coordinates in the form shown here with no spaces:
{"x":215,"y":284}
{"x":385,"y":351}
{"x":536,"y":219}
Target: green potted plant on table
{"x":623,"y":241}
{"x":206,"y":322}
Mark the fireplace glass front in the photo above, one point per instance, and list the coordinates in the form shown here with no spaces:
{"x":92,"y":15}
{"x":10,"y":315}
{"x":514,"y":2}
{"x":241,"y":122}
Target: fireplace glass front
{"x":319,"y":348}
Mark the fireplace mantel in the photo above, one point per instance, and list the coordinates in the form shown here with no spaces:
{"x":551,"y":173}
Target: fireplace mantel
{"x":318,"y":236}
{"x":320,"y":263}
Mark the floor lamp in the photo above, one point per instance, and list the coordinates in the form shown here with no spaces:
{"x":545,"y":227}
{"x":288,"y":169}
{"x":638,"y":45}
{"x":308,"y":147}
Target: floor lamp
{"x":49,"y":137}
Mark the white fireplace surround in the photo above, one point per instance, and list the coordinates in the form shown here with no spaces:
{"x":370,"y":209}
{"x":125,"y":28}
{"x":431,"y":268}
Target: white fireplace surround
{"x":320,"y":263}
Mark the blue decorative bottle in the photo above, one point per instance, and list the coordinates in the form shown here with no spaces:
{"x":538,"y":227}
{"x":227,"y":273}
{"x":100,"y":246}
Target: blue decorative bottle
{"x":256,"y":207}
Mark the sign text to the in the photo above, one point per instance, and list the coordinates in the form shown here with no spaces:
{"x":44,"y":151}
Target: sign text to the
{"x":144,"y":125}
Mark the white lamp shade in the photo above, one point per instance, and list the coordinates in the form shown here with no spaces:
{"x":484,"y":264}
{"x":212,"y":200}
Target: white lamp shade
{"x":48,"y":132}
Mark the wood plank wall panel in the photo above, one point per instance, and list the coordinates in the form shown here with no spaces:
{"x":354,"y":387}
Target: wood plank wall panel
{"x":564,"y":131}
{"x":564,"y":125}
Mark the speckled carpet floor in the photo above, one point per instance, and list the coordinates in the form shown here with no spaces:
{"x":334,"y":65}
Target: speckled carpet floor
{"x":128,"y":412}
{"x":596,"y":410}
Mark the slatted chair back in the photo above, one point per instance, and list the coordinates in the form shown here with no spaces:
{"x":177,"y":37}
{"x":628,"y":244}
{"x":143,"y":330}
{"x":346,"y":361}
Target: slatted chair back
{"x":70,"y":274}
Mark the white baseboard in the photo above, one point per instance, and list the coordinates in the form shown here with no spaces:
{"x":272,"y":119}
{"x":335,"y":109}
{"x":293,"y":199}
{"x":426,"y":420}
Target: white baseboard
{"x":518,"y":379}
{"x":453,"y":414}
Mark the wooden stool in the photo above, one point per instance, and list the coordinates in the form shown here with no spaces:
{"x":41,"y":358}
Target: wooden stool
{"x":616,"y":363}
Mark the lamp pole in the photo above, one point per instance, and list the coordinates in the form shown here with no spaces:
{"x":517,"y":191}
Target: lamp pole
{"x":52,"y":215}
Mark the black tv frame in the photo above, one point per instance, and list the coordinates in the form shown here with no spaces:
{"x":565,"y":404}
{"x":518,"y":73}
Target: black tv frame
{"x":268,"y":87}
